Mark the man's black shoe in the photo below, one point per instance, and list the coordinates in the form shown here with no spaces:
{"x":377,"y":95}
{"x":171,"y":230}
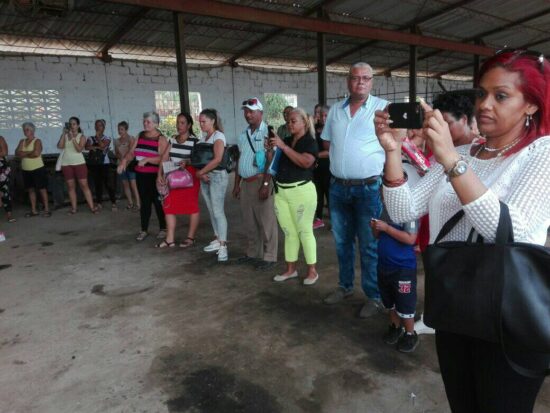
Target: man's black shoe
{"x":265,"y":265}
{"x":246,"y":260}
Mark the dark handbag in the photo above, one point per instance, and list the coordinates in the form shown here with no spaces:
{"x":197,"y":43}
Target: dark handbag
{"x":203,"y":153}
{"x":495,"y":292}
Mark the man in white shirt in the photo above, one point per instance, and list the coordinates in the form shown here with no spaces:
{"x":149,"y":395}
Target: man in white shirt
{"x":356,"y":164}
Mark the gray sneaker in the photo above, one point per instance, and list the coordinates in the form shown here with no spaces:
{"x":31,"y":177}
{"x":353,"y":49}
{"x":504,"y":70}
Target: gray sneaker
{"x":371,"y":308}
{"x":337,"y":296}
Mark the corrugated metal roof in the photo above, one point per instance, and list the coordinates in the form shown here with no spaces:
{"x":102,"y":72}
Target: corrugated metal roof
{"x":91,"y":23}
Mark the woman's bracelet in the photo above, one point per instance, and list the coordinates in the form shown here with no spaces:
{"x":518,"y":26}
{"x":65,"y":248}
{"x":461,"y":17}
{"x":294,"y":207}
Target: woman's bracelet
{"x":394,"y":183}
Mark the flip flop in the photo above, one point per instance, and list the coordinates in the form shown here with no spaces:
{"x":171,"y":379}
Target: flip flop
{"x":188,"y":243}
{"x":31,"y":214}
{"x":46,"y":214}
{"x":165,"y":244}
{"x":141,"y":236}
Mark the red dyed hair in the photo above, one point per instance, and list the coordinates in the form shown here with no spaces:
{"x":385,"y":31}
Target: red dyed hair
{"x":535,"y":87}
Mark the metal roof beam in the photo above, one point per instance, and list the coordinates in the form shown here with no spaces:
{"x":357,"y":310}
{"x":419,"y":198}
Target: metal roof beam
{"x":124,"y":28}
{"x":465,"y":66}
{"x":478,"y":37}
{"x":275,"y":32}
{"x":412,"y":23}
{"x":248,"y":14}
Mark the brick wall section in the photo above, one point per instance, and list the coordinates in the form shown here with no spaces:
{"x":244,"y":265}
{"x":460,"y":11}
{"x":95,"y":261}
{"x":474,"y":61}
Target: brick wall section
{"x":123,"y":90}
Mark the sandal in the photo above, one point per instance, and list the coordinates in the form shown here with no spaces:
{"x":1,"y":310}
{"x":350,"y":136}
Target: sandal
{"x":31,"y":214}
{"x":141,"y":236}
{"x":165,"y":244}
{"x":46,"y":214}
{"x":189,"y":242}
{"x":11,"y":220}
{"x":129,"y":207}
{"x":95,"y":210}
{"x":71,"y":212}
{"x":114,"y":208}
{"x":136,"y":208}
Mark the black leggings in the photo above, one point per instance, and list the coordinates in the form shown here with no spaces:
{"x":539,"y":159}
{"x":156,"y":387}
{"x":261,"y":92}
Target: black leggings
{"x":147,"y":188}
{"x":101,"y":176}
{"x":478,"y":379}
{"x":321,"y":178}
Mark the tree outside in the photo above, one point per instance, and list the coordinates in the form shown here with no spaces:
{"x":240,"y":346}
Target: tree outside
{"x":167,"y":104}
{"x":274,"y":105}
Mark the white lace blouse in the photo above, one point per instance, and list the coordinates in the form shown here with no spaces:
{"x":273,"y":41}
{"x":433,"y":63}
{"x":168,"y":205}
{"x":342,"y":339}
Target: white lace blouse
{"x":521,"y":181}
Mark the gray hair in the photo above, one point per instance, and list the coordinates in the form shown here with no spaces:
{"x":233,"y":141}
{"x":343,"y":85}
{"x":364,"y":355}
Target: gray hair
{"x":361,"y":65}
{"x":154,"y":116}
{"x":29,"y":125}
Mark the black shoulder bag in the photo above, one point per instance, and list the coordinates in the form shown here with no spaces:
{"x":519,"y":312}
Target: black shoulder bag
{"x":495,"y":292}
{"x":203,"y":153}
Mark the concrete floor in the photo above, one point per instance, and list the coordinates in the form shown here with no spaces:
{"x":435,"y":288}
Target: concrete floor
{"x":92,"y":321}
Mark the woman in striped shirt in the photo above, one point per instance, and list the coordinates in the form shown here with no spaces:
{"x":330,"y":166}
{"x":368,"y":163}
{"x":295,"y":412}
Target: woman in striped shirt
{"x":181,"y":201}
{"x":147,"y":150}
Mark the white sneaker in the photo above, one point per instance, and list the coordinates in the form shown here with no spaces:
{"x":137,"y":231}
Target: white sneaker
{"x":222,"y":253}
{"x":422,"y":328}
{"x":281,"y":278}
{"x":213,"y":246}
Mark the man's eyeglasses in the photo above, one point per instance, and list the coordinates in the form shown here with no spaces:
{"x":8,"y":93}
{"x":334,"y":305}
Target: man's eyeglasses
{"x":538,"y":56}
{"x":250,"y":102}
{"x":357,"y":79}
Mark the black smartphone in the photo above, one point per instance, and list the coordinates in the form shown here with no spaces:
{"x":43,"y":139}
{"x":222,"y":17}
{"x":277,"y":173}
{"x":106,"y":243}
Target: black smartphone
{"x":270,"y":132}
{"x":408,"y":115}
{"x":67,"y":125}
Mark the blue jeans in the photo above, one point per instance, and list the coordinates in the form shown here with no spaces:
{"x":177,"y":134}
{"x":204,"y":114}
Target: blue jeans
{"x":214,"y":197}
{"x":351,"y":210}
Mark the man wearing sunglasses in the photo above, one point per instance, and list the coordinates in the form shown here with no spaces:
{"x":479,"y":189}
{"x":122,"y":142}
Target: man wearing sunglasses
{"x":253,"y":187}
{"x":356,"y":163}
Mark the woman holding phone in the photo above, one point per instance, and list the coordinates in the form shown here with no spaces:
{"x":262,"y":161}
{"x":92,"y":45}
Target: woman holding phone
{"x":73,"y":164}
{"x":295,"y":195}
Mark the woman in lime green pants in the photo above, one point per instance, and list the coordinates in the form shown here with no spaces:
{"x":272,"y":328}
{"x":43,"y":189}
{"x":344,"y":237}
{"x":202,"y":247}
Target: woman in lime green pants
{"x":296,"y":197}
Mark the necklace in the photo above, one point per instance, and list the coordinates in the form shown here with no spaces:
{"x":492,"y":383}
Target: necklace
{"x":499,"y":151}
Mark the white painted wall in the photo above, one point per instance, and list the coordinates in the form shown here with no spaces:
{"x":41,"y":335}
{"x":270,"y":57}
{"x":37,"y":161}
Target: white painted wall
{"x":123,"y":90}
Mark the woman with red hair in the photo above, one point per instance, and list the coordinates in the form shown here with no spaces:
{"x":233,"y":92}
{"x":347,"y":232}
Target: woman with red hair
{"x":511,"y":166}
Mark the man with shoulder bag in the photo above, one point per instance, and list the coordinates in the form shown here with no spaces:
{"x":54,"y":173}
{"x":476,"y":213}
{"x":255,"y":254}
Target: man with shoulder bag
{"x":254,"y":189}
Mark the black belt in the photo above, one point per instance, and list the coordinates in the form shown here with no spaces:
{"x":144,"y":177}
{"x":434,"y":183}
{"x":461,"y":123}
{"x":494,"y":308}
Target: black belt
{"x":277,"y":185}
{"x":357,"y":182}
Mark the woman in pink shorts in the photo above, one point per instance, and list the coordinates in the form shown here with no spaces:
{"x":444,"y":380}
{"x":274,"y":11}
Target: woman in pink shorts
{"x":73,"y":164}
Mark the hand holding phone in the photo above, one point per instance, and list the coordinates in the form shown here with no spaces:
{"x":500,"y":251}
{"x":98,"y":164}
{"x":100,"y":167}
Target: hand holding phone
{"x":408,"y":115}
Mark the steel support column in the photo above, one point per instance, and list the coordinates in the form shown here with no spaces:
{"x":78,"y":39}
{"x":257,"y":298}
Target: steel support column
{"x":183,"y":84}
{"x":321,"y":65}
{"x":413,"y":57}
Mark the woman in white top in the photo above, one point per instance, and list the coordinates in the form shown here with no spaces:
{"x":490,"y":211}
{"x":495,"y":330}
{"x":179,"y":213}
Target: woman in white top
{"x":512,"y":166}
{"x":214,"y":181}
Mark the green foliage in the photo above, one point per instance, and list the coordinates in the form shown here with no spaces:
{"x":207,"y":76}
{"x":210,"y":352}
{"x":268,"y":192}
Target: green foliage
{"x":168,"y":125}
{"x":273,"y":108}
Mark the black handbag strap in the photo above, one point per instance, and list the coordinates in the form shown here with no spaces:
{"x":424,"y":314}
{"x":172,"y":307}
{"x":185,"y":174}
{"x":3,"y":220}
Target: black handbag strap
{"x":250,"y":141}
{"x":449,"y":225}
{"x":505,"y":231}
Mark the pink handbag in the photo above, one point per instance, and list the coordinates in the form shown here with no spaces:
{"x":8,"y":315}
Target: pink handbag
{"x":180,"y":178}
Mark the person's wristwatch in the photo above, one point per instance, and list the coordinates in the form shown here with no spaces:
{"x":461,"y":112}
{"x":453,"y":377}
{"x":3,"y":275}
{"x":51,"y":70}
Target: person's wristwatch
{"x":459,"y":168}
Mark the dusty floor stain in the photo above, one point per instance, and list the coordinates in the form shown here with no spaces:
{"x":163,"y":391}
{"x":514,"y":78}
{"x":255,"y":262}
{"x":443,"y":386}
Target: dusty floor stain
{"x":214,"y":390}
